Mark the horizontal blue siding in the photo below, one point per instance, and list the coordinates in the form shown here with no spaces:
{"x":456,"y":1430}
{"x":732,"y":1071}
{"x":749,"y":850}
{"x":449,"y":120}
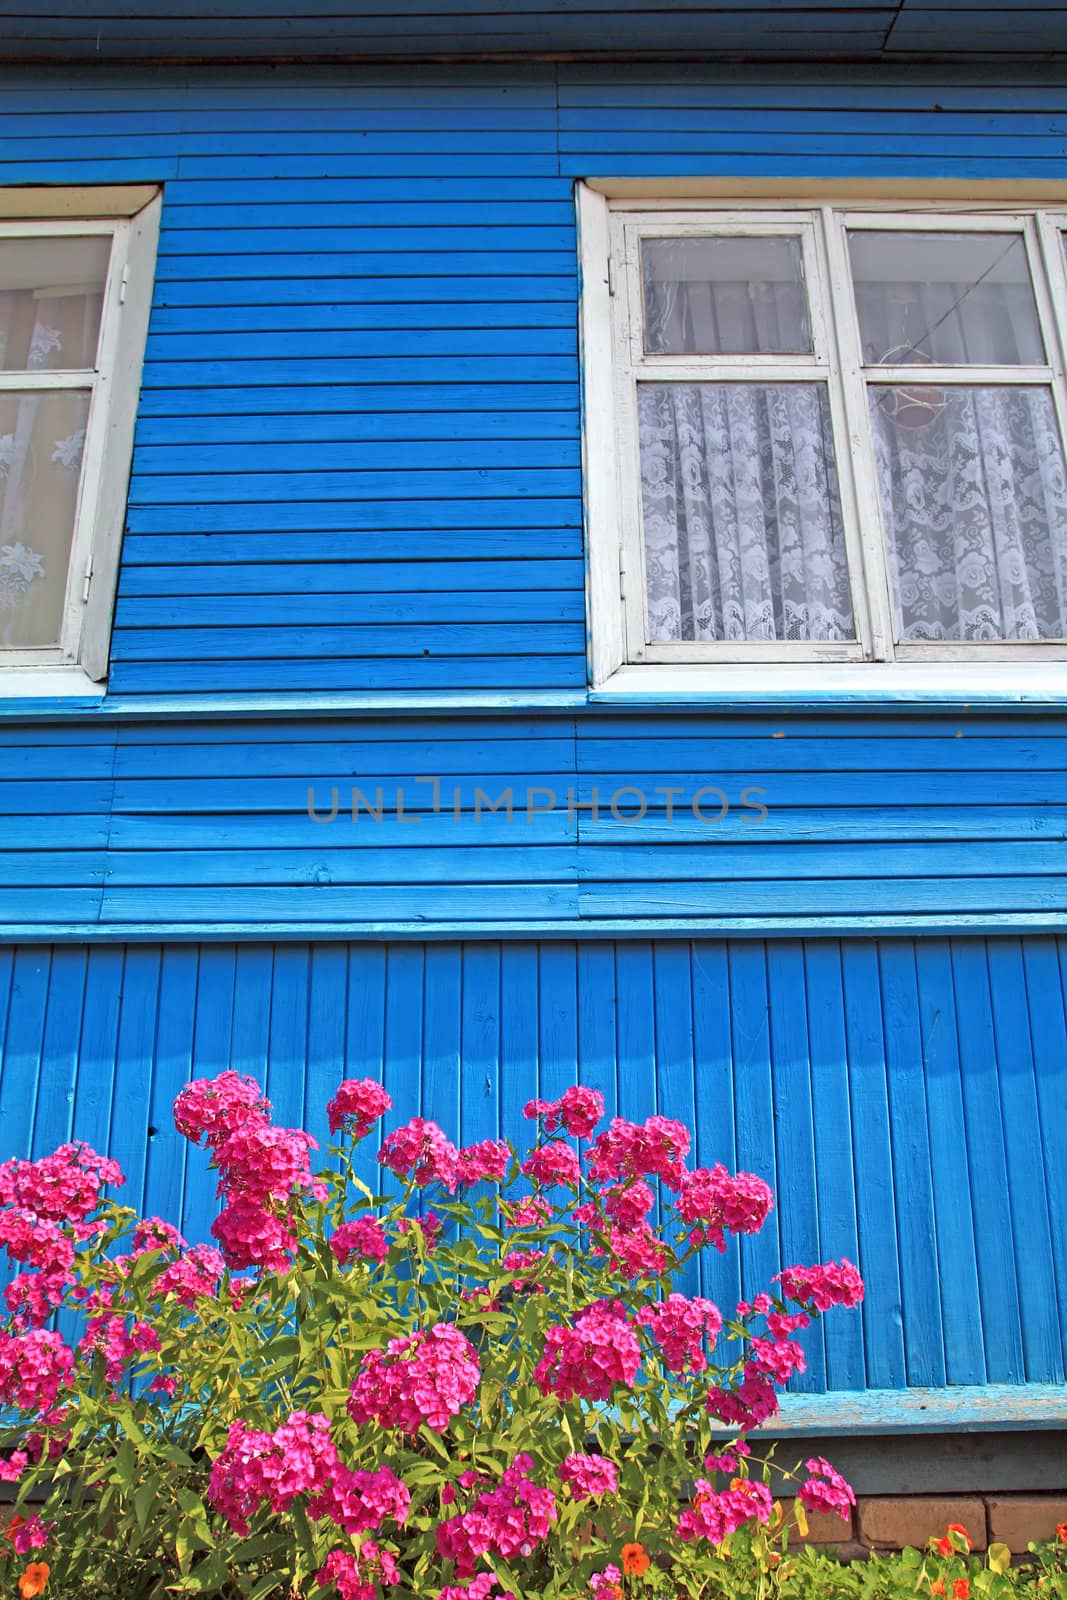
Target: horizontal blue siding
{"x":357,"y":459}
{"x":907,"y":1100}
{"x":193,"y":826}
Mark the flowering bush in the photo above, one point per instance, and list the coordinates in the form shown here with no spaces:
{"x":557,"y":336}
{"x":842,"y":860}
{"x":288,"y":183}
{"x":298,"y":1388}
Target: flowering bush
{"x":348,"y":1394}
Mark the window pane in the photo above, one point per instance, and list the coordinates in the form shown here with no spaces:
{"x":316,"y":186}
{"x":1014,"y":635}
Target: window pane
{"x":724,"y":296}
{"x":949,"y":298}
{"x":741,"y":515}
{"x":51,"y":292}
{"x":41,"y":440}
{"x":974,"y":496}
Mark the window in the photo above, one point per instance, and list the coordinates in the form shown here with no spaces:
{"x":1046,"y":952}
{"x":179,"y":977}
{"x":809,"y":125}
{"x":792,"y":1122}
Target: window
{"x":825,"y":436}
{"x":74,"y":297}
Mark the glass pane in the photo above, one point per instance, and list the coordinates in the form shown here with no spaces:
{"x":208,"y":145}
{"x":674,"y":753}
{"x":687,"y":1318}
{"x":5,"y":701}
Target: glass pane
{"x":974,"y":498}
{"x":724,"y":296}
{"x":948,"y":298}
{"x":42,"y":436}
{"x":741,"y":516}
{"x":51,"y":292}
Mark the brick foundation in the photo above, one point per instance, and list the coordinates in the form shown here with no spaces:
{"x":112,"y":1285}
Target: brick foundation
{"x":889,"y":1522}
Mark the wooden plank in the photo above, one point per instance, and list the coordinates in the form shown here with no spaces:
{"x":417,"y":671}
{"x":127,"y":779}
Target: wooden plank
{"x":479,"y":1102}
{"x":357,"y":455}
{"x":537,"y":574}
{"x":714,"y":1130}
{"x":292,"y":676}
{"x":454,"y":605}
{"x":753,"y":1102}
{"x":1048,"y":1035}
{"x":978,"y":1408}
{"x":492,"y":640}
{"x":131,"y":1134}
{"x":348,"y":399}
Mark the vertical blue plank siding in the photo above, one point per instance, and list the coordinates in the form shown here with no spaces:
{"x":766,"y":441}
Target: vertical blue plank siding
{"x":840,"y":1071}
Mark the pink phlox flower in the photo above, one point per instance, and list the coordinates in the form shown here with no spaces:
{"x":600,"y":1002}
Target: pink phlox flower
{"x":119,"y":1345}
{"x":655,"y":1149}
{"x":487,"y":1161}
{"x":601,"y":1349}
{"x":420,"y":1151}
{"x":34,"y":1368}
{"x":251,"y":1236}
{"x":627,"y":1204}
{"x":213,"y":1108}
{"x":638,"y":1252}
{"x":589,"y":1475}
{"x":578,"y":1110}
{"x":261,"y":1162}
{"x":364,"y":1237}
{"x":828,"y":1283}
{"x":427,"y":1377}
{"x":680,"y":1327}
{"x":751,"y":1403}
{"x":589,"y":1215}
{"x":715,"y":1514}
{"x":781,"y":1324}
{"x":357,"y":1575}
{"x":507,"y":1521}
{"x":721,"y":1202}
{"x":529,"y":1263}
{"x":257,"y":1469}
{"x":826,"y":1490}
{"x":479,"y":1588}
{"x":607,"y":1585}
{"x":194,"y":1276}
{"x":531,"y":1212}
{"x":36,"y":1242}
{"x":166,"y":1383}
{"x":152,"y":1233}
{"x":430,"y":1225}
{"x":32,"y":1534}
{"x":13,"y":1466}
{"x":62,"y":1187}
{"x":777,"y":1359}
{"x":356,"y":1501}
{"x":553,"y":1163}
{"x":357,"y":1105}
{"x":31,"y":1298}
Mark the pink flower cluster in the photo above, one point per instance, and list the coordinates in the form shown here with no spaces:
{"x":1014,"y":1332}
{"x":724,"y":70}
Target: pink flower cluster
{"x":110,"y":1338}
{"x":365,"y":1237}
{"x":627,"y":1204}
{"x":510,"y":1520}
{"x":588,"y":1359}
{"x":64,"y":1186}
{"x":34,"y":1367}
{"x":577,"y":1110}
{"x":257,"y":1469}
{"x":428,"y":1377}
{"x":479,"y":1588}
{"x":31,"y":1534}
{"x":358,"y":1575}
{"x":589,"y":1475}
{"x":751,"y":1403}
{"x":827,"y":1490}
{"x":829,"y":1283}
{"x":195,"y":1275}
{"x":419,"y":1151}
{"x":487,"y":1160}
{"x":261,"y":1167}
{"x":716,"y":1514}
{"x":357,"y":1105}
{"x":430,"y":1226}
{"x":720,"y":1202}
{"x":680,"y":1327}
{"x":655,"y":1149}
{"x":638,"y":1252}
{"x":552,"y":1163}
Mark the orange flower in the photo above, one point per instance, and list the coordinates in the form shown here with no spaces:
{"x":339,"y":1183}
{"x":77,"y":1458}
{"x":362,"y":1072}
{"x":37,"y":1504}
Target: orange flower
{"x":34,"y":1579}
{"x":961,"y":1590}
{"x":635,"y":1559}
{"x":13,"y":1527}
{"x":1061,"y":1532}
{"x":945,"y":1546}
{"x":938,"y":1587}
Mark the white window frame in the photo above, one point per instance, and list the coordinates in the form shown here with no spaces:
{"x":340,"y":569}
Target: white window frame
{"x":78,"y":665}
{"x":621,"y":660}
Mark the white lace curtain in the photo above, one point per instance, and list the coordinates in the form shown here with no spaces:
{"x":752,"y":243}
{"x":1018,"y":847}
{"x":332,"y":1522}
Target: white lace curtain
{"x":742,"y":521}
{"x":42,"y":433}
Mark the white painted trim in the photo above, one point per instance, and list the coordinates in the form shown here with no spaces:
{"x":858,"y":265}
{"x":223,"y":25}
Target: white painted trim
{"x":47,"y":683}
{"x":113,"y":387}
{"x":34,"y":203}
{"x":935,"y":682}
{"x":121,"y":361}
{"x":604,"y":633}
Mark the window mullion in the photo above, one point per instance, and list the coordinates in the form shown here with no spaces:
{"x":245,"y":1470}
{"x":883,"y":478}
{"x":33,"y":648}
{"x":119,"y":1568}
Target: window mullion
{"x":859,"y":458}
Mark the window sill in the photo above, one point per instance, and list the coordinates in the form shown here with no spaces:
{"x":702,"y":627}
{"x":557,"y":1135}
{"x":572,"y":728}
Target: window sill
{"x":48,"y":683}
{"x":940,"y":685}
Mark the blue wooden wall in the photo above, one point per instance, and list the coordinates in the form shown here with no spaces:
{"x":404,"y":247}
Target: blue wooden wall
{"x":357,"y":462}
{"x":906,"y":1099}
{"x":114,"y":827}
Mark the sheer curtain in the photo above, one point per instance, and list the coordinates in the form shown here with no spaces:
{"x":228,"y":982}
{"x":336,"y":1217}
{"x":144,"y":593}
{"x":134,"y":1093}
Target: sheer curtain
{"x":42,"y":434}
{"x":741,"y":514}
